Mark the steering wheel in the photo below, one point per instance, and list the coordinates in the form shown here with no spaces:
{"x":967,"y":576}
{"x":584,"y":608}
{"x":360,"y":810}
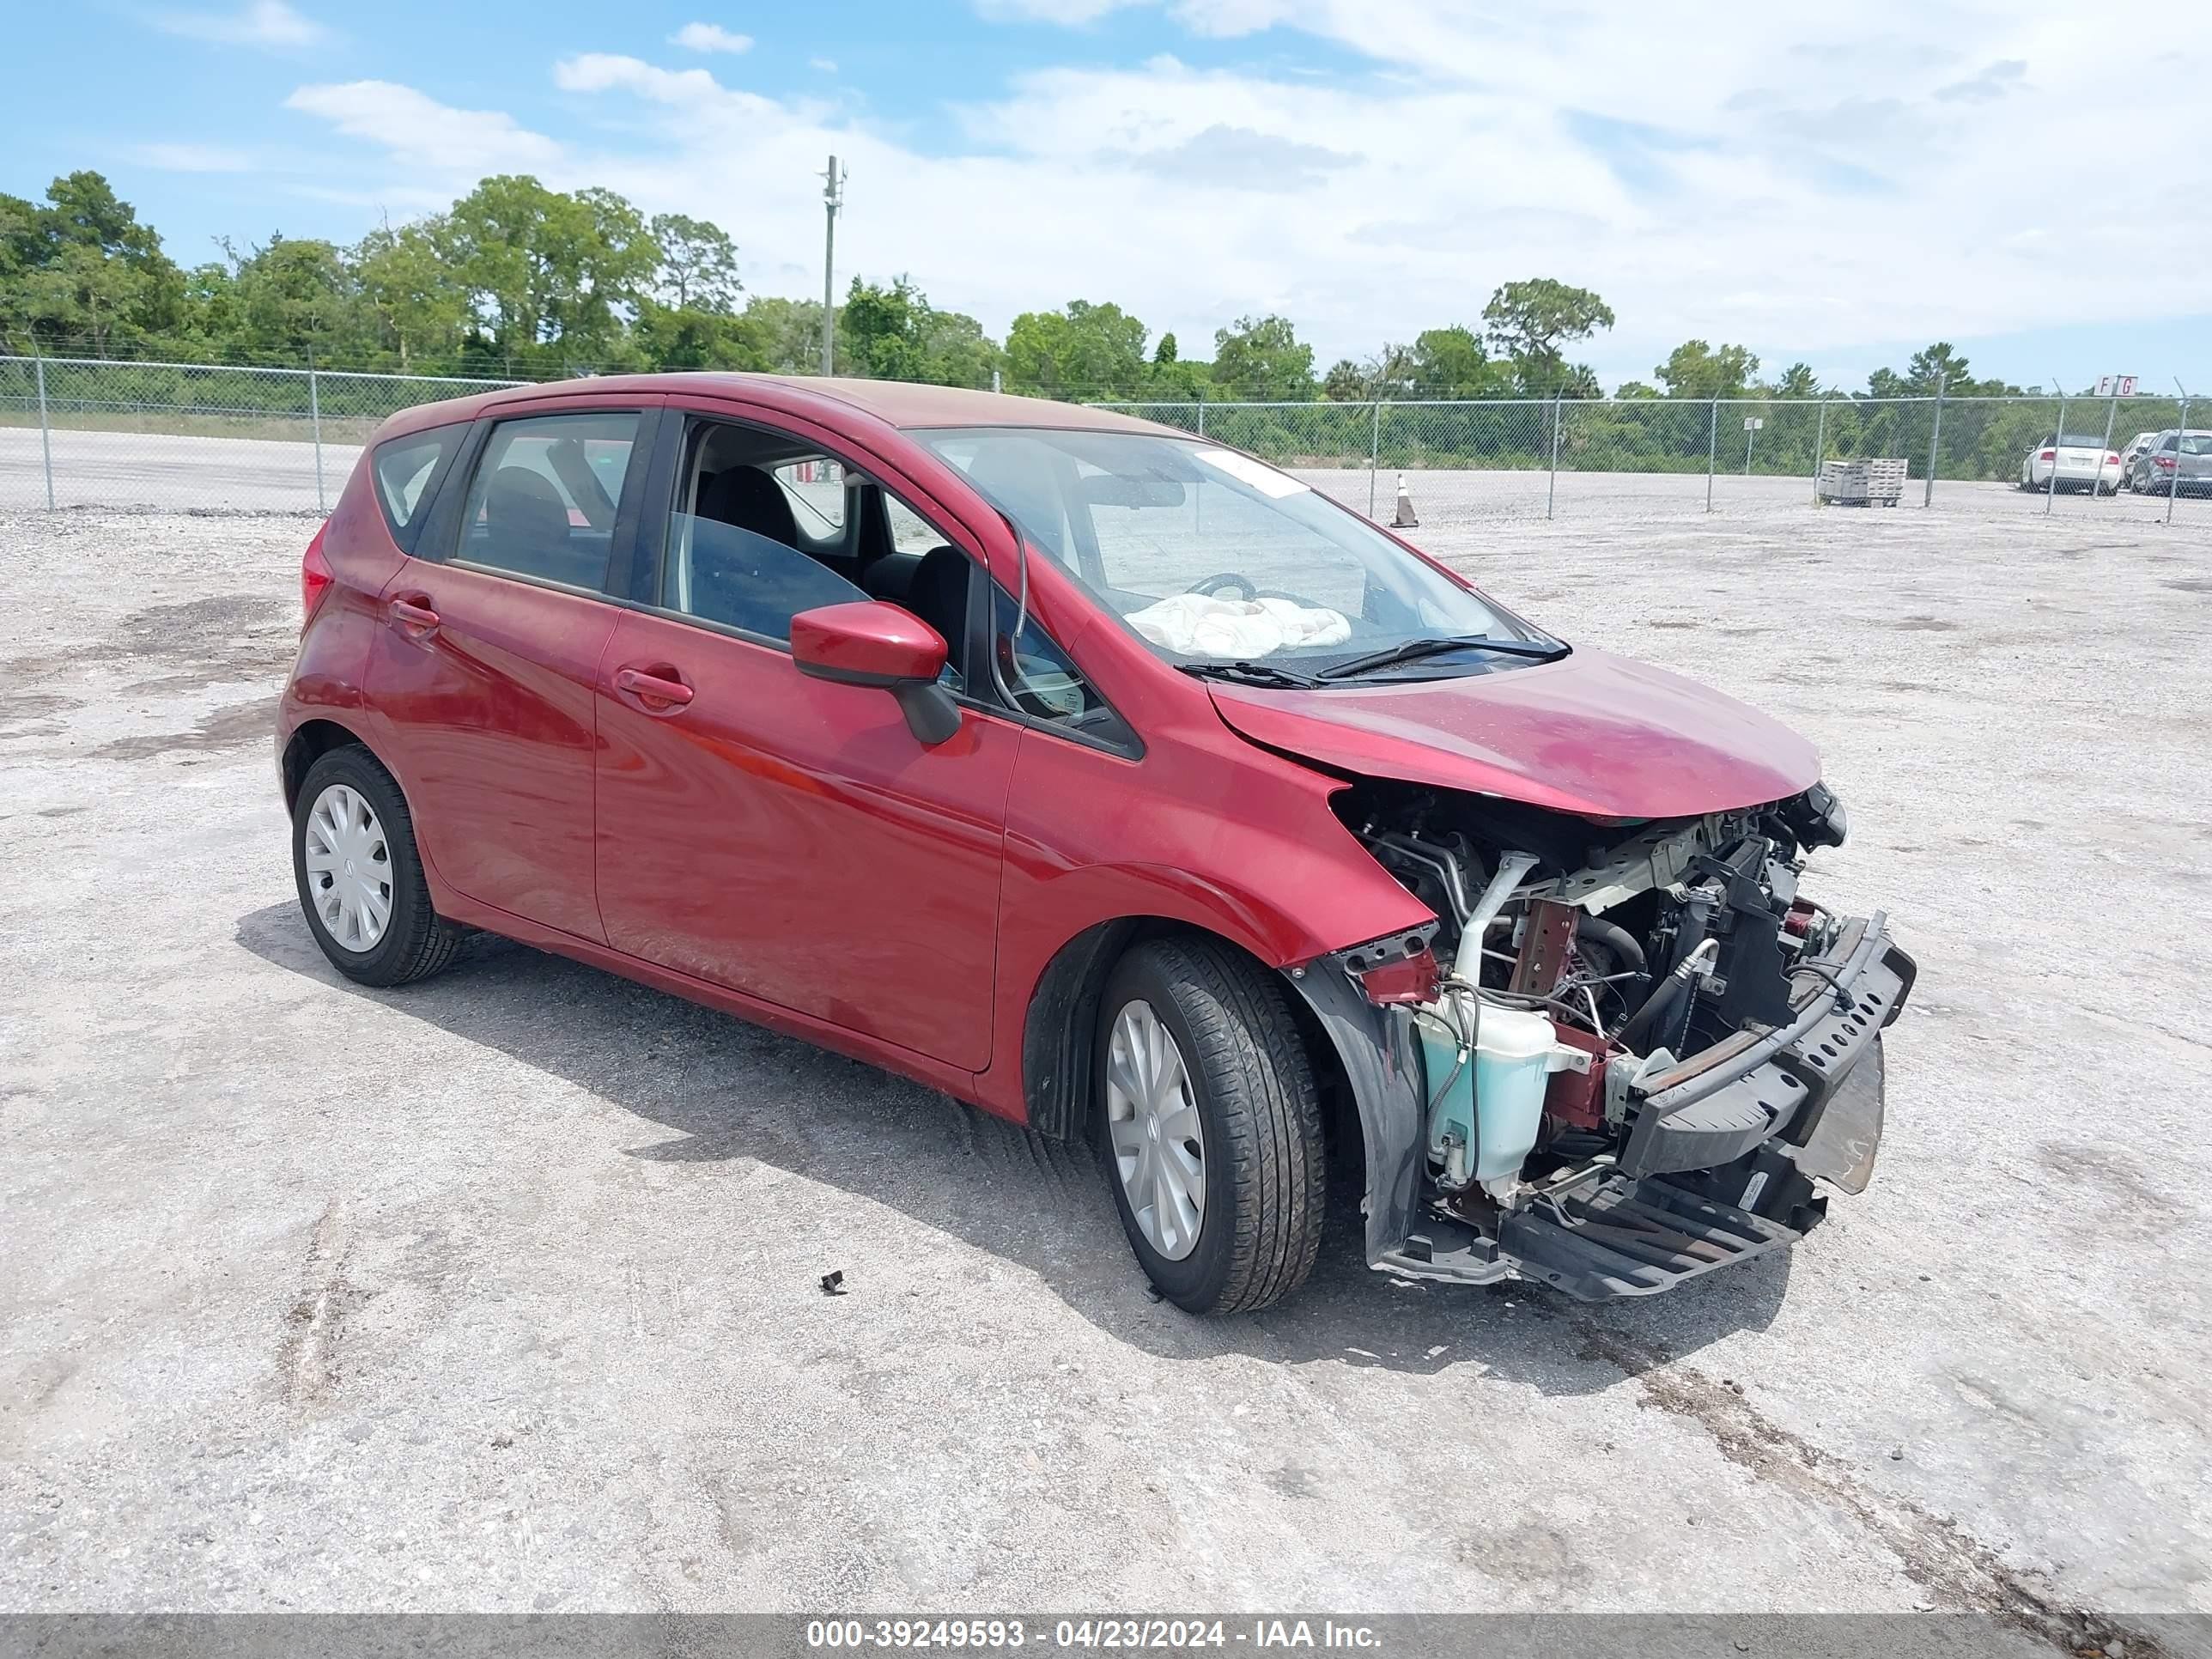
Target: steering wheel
{"x":1214,"y":583}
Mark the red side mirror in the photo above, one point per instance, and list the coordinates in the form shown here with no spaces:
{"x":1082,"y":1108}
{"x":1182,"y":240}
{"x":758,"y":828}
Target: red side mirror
{"x":875,"y":642}
{"x":867,"y":642}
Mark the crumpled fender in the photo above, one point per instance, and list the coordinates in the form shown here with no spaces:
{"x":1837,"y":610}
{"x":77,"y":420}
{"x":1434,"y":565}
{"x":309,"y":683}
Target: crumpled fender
{"x":1382,"y":1060}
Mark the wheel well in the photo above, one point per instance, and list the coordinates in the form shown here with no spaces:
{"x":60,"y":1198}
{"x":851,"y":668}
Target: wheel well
{"x":313,"y":740}
{"x":1061,"y":1036}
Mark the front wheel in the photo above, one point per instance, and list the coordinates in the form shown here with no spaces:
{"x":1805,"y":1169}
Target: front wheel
{"x":1211,"y":1126}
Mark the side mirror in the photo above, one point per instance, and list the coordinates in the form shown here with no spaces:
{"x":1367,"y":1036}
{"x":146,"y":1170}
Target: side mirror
{"x":875,"y":642}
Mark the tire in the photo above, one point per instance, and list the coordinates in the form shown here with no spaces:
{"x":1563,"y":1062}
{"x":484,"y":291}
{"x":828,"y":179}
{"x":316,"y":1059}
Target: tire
{"x":413,"y":940}
{"x":1252,"y":1090}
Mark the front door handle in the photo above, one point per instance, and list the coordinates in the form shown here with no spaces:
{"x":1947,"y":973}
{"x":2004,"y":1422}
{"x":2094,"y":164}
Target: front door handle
{"x":418,"y":619}
{"x":660,"y":692}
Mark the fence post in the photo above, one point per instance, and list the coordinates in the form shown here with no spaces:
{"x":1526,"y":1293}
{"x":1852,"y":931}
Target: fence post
{"x":1819,"y":449}
{"x":315,"y":418}
{"x":1374,"y":456}
{"x":46,"y":443}
{"x":1712,"y":453}
{"x":2051,"y":488}
{"x":1934,"y":438}
{"x":1202,"y":411}
{"x":2112,"y":412}
{"x":2173,"y":478}
{"x":1552,"y":493}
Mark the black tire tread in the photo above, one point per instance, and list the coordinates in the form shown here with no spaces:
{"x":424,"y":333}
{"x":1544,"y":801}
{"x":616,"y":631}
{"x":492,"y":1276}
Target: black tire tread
{"x":431,"y":942}
{"x":1248,"y":1043}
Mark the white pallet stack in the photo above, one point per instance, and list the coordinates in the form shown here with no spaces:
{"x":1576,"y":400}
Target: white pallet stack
{"x":1862,"y":483}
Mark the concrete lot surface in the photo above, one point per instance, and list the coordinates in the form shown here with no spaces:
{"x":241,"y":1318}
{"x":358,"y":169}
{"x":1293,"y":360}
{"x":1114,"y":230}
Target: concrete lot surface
{"x":501,"y":1291}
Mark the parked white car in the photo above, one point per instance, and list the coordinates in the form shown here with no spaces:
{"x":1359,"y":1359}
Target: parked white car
{"x":2080,"y":464}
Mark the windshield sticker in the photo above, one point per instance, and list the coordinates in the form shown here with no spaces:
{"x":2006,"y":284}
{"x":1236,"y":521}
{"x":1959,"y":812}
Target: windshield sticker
{"x":1245,"y":470}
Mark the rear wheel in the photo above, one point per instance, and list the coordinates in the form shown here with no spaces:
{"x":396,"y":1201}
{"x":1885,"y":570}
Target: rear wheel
{"x":360,"y":876}
{"x":1211,"y":1126}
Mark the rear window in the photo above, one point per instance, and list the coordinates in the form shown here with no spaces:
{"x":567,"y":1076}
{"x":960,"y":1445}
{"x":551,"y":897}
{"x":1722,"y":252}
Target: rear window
{"x":406,"y":469}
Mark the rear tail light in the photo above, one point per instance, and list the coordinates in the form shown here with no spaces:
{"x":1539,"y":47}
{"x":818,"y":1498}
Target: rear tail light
{"x":2164,"y":462}
{"x":2112,"y":460}
{"x":315,"y":576}
{"x":2048,"y":455}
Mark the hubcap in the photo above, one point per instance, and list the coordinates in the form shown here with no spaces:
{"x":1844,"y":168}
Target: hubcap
{"x":349,"y":868}
{"x":1151,"y":1118}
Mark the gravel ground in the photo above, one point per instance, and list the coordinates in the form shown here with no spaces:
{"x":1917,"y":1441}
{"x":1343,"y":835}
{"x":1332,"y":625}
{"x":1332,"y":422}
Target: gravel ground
{"x":501,"y":1292}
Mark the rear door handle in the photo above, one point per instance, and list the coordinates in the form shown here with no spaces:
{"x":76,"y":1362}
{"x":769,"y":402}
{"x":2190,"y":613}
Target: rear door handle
{"x":416,"y":619}
{"x":660,"y":694}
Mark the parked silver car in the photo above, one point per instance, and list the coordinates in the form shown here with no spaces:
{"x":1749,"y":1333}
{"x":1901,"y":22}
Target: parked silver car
{"x":2179,"y":463}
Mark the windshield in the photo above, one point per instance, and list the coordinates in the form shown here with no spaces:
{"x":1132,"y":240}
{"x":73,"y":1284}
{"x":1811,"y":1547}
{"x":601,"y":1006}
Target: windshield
{"x":1214,"y":559}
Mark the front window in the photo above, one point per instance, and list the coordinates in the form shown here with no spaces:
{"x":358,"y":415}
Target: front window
{"x":1221,"y":564}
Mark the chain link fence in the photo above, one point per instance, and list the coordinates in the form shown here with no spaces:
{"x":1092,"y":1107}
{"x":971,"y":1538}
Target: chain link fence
{"x":1632,"y":457}
{"x":85,"y":432}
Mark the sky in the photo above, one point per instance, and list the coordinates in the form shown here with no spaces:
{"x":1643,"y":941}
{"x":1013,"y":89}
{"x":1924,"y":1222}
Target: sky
{"x":1839,"y":185}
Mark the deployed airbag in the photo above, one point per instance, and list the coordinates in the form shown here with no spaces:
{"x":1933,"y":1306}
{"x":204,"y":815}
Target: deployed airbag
{"x":1207,"y":625}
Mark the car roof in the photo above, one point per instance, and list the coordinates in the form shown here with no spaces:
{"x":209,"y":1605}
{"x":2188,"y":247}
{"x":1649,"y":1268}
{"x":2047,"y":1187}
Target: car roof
{"x":894,"y":403}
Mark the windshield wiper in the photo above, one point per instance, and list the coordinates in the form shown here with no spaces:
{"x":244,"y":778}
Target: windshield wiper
{"x":1248,"y":673}
{"x":1415,"y":650}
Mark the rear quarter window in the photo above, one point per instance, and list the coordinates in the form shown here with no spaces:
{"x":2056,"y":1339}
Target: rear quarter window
{"x":407,"y":471}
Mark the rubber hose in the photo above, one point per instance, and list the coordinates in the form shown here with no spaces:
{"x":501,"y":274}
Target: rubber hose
{"x":1653,"y":1014}
{"x":1615,"y":939}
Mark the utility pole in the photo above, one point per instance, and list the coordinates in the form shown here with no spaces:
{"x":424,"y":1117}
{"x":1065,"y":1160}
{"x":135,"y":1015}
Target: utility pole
{"x":833,"y":197}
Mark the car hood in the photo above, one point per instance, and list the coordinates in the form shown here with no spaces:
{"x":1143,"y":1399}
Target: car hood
{"x":1592,"y":733}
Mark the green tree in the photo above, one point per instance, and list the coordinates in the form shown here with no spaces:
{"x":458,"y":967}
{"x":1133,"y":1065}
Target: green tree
{"x":957,"y":352}
{"x":689,"y":337}
{"x":698,"y":268}
{"x":884,"y":330}
{"x":1262,"y":358}
{"x":418,"y":305}
{"x":1173,"y":378}
{"x":1798,"y":380}
{"x":292,"y":298}
{"x":1633,"y":391}
{"x":1531,"y":322}
{"x":789,"y":332}
{"x":551,"y":274}
{"x":1696,"y":369}
{"x":1081,"y":350}
{"x":894,"y":334}
{"x":81,"y":267}
{"x":1346,"y":382}
{"x":1451,"y":363}
{"x":1939,"y":364}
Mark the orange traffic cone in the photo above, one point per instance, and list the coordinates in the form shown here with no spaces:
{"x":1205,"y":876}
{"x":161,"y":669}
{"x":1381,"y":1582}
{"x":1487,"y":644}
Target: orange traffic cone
{"x":1404,"y":521}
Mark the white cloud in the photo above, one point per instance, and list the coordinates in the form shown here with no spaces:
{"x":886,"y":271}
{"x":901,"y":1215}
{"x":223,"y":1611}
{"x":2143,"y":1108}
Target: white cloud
{"x":826,"y":65}
{"x":709,"y":37}
{"x":417,"y":129}
{"x":195,"y":158}
{"x":1728,"y":171}
{"x":264,"y":23}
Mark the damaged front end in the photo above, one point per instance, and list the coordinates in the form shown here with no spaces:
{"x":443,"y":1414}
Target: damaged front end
{"x":1622,"y":1056}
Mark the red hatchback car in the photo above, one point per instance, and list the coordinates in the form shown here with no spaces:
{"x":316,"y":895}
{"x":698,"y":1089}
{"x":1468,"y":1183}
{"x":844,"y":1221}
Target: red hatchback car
{"x":1111,"y":781}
